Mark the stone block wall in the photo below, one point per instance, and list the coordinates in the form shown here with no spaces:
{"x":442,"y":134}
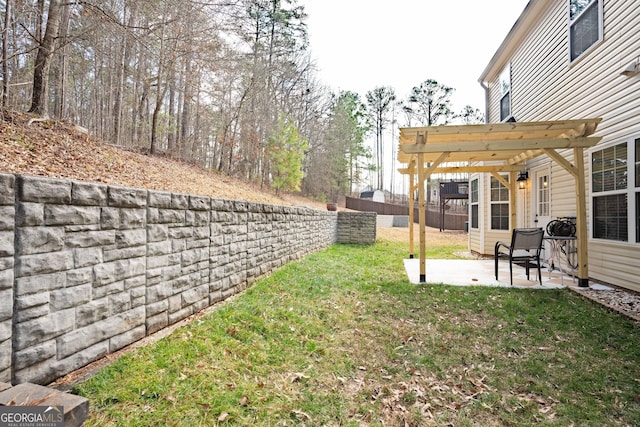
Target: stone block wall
{"x":357,"y":227}
{"x":7,"y":219}
{"x":86,"y":269}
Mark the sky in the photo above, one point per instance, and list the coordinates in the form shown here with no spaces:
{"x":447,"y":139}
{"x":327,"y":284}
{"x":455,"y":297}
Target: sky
{"x":361,"y":44}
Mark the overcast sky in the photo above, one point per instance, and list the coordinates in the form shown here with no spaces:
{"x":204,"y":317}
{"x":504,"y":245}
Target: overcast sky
{"x":361,"y":44}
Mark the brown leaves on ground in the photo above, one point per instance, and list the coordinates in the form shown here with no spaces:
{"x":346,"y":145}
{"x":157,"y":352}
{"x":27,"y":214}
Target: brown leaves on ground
{"x":57,"y":149}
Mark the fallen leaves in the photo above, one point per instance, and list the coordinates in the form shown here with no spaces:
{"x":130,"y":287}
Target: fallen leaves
{"x":57,"y":150}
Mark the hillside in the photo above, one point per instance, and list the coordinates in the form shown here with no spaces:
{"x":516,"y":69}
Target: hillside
{"x":61,"y":150}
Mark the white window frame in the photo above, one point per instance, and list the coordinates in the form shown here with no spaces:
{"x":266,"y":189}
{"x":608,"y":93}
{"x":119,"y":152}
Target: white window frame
{"x":632,"y":191}
{"x":500,"y":201}
{"x":504,"y":83}
{"x":576,"y":19}
{"x":474,"y":202}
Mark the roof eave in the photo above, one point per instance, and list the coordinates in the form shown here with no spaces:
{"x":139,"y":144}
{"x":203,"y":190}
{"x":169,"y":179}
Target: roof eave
{"x":528,"y":18}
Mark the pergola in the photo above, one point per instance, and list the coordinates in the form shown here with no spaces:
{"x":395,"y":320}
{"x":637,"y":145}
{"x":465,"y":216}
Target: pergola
{"x":506,"y":147}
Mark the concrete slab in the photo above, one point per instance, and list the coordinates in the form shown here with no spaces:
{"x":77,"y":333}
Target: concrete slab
{"x":76,"y":408}
{"x":481,"y":273}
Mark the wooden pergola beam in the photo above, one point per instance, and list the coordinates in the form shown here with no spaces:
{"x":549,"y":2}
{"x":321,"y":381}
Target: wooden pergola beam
{"x":500,"y":145}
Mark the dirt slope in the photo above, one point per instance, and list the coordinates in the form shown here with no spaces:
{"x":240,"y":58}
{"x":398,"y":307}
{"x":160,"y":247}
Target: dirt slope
{"x":61,"y":150}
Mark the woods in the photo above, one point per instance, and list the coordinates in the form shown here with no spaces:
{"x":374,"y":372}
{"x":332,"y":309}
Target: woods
{"x":216,"y":83}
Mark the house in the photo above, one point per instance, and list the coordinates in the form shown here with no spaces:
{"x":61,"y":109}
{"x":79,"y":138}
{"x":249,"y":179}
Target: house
{"x":373,"y":195}
{"x":566,"y":59}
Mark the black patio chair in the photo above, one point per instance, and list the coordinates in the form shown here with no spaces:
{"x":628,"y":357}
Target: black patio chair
{"x":526,"y":245}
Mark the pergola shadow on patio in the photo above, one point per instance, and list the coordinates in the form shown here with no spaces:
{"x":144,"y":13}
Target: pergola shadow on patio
{"x":496,"y":148}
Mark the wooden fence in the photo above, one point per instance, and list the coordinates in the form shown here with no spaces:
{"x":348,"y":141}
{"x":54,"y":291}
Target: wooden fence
{"x":452,"y":221}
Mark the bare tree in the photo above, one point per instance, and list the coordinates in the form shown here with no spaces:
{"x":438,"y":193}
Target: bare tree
{"x":43,"y":60}
{"x":380,"y":102}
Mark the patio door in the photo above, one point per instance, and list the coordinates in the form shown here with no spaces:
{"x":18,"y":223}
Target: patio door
{"x":541,"y":197}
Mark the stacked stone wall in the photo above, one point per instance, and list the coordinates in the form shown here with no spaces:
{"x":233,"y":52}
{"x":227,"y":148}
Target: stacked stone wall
{"x":87,"y":269}
{"x":7,"y":220}
{"x":357,"y":227}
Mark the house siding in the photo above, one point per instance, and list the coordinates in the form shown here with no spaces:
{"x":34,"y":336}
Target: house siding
{"x":546,"y":86}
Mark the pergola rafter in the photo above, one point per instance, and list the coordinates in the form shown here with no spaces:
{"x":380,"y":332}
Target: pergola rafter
{"x":506,"y":146}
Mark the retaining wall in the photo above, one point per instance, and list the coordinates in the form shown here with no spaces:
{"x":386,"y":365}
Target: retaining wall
{"x":86,"y":269}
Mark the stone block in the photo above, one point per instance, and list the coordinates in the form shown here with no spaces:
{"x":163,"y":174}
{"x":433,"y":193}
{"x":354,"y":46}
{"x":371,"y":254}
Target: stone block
{"x":7,"y":218}
{"x":179,"y":201}
{"x":109,"y":218}
{"x":171,"y":216}
{"x":123,"y":197}
{"x":133,"y":218}
{"x":157,"y":232}
{"x":87,"y":239}
{"x":157,"y":322}
{"x":199,"y":203}
{"x":31,"y":265}
{"x":124,"y":253}
{"x":108,"y":289}
{"x":158,"y":199}
{"x":43,"y":190}
{"x":180,"y":314}
{"x":76,"y":408}
{"x":159,"y":248}
{"x":5,"y":330}
{"x":6,"y":304}
{"x":119,"y":303}
{"x":35,"y":354}
{"x":92,"y":312}
{"x":70,"y":297}
{"x":79,"y":276}
{"x":87,"y":257}
{"x":36,"y":240}
{"x":23,"y":302}
{"x":129,"y":337}
{"x":7,"y":244}
{"x":159,"y":292}
{"x":7,"y":189}
{"x":126,"y":268}
{"x":129,"y":238}
{"x":82,"y":338}
{"x":43,"y":328}
{"x":29,"y":214}
{"x":157,"y":307}
{"x":89,"y":194}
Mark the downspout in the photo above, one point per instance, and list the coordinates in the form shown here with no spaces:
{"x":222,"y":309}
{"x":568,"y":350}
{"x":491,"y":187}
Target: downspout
{"x":486,"y":101}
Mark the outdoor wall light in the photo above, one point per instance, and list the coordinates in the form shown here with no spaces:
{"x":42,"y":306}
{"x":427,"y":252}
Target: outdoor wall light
{"x":522,"y":179}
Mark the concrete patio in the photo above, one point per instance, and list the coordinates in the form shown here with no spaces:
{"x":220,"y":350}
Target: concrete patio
{"x":464,"y":272}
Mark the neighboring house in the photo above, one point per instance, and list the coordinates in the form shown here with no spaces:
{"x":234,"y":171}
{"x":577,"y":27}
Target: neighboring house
{"x":562,"y":60}
{"x":373,"y":195}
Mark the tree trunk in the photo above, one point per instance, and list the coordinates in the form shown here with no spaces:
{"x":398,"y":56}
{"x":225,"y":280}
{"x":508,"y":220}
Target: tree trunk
{"x":43,"y":61}
{"x":5,"y":55}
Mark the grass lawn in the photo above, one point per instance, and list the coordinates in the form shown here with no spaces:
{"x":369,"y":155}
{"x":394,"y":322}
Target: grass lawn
{"x":341,"y":338}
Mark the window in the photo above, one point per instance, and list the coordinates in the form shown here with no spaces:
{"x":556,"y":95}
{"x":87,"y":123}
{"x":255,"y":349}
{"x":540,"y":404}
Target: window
{"x":499,"y":205}
{"x":505,"y":93}
{"x":474,"y":203}
{"x":585,"y":25}
{"x":543,"y":196}
{"x":616,"y":200}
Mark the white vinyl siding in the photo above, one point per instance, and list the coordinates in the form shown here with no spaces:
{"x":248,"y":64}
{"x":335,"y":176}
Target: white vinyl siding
{"x":546,"y":85}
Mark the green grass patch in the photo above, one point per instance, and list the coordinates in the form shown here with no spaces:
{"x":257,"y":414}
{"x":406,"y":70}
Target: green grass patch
{"x":341,"y":338}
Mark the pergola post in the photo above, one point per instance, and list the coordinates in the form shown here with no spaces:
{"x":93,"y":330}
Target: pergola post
{"x":581,"y":218}
{"x":412,"y":176}
{"x":513,"y":187}
{"x":422,"y":219}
